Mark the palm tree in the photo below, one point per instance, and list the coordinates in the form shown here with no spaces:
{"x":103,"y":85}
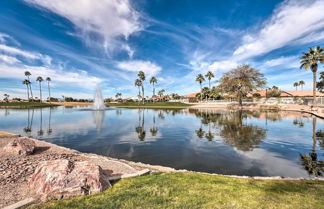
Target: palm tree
{"x":141,"y":76}
{"x":48,"y":79}
{"x":6,"y":97}
{"x":301,"y":83}
{"x":200,"y":79}
{"x":161,"y":92}
{"x":153,"y":81}
{"x":310,"y":60}
{"x":27,"y":73}
{"x":26,"y":82}
{"x":296,"y":84}
{"x":209,"y":76}
{"x":40,"y":80}
{"x":138,"y":83}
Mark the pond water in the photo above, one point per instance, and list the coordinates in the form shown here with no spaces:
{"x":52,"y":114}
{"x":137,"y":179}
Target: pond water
{"x":214,"y":141}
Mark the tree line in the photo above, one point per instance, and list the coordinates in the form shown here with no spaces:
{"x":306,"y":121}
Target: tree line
{"x":39,"y":79}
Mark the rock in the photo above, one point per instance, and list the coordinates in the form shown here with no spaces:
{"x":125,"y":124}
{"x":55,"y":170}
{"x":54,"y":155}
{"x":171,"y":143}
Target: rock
{"x":20,"y":146}
{"x":60,"y":179}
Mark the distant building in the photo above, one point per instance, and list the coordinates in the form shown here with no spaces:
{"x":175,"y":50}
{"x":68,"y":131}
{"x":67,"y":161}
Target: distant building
{"x":191,"y":97}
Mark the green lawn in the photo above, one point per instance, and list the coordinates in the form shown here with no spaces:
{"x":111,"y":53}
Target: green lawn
{"x":189,"y":190}
{"x":150,"y":104}
{"x":26,"y":104}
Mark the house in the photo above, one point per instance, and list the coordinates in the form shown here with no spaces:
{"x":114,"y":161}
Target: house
{"x":191,"y":97}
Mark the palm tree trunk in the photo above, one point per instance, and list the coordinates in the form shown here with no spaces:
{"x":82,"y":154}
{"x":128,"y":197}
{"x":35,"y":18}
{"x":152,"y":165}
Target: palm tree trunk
{"x":31,"y":92}
{"x":200,"y":93}
{"x":139,"y":93}
{"x":209,"y":83}
{"x":314,"y":88}
{"x":27,"y":92}
{"x":143,"y":93}
{"x":314,"y":134}
{"x":49,"y":92}
{"x":40,"y":91}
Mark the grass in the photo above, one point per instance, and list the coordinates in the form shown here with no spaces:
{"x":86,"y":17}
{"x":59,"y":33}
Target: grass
{"x":26,"y":104}
{"x":190,"y":190}
{"x":150,"y":104}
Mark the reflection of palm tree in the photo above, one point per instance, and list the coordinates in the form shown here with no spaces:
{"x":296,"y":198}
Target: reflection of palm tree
{"x":154,"y":129}
{"x":49,"y":130}
{"x":161,"y":115}
{"x":310,"y":161}
{"x":41,"y":132}
{"x":200,"y":132}
{"x":141,"y":133}
{"x":209,"y":135}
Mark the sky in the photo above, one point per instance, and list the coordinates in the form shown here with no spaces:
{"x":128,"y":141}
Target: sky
{"x":83,"y":44}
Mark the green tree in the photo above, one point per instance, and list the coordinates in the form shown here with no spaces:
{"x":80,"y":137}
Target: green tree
{"x":320,"y":84}
{"x":301,"y":83}
{"x":153,"y":81}
{"x":40,"y":80}
{"x":161,"y":92}
{"x":6,"y":97}
{"x":141,"y":76}
{"x":48,"y":79}
{"x":26,"y":82}
{"x":296,"y":84}
{"x":28,"y":74}
{"x":209,"y":76}
{"x":242,"y":80}
{"x":200,"y":79}
{"x":310,"y":60}
{"x":139,"y":84}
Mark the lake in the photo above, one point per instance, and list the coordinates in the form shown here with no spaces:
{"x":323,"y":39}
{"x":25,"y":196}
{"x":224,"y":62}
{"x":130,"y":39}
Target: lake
{"x":215,"y":141}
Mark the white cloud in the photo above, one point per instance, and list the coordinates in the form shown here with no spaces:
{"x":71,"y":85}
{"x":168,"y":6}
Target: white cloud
{"x":139,"y":65}
{"x":67,"y":78}
{"x":111,"y":19}
{"x":26,"y":54}
{"x":287,"y":62}
{"x":292,"y":20}
{"x":8,"y":59}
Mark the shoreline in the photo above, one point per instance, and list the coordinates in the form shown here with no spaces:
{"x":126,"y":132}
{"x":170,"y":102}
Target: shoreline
{"x":17,"y":191}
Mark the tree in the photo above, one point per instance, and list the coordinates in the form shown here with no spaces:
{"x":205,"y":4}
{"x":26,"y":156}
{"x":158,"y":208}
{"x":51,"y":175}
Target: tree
{"x":301,"y":83}
{"x":138,"y":83}
{"x":40,"y":80}
{"x":200,"y":79}
{"x":320,"y":84}
{"x":242,"y":80}
{"x":161,"y":92}
{"x":26,"y":82}
{"x":27,"y":74}
{"x":296,"y":84}
{"x":209,"y":76}
{"x":153,"y":81}
{"x":310,"y":60}
{"x":6,"y":97}
{"x":48,"y":79}
{"x":274,"y":91}
{"x":118,"y":95}
{"x":141,"y":76}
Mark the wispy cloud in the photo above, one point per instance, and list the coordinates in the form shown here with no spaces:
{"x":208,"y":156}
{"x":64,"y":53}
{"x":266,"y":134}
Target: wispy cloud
{"x":147,"y":67}
{"x":112,"y":20}
{"x":8,"y":59}
{"x":292,"y":20}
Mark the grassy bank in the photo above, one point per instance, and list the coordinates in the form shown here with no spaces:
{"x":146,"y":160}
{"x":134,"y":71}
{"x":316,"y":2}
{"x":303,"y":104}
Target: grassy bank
{"x":25,"y":105}
{"x":189,"y":190}
{"x":150,"y":104}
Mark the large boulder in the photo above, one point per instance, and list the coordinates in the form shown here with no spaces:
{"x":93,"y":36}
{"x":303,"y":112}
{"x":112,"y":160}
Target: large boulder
{"x":20,"y":146}
{"x":60,"y":179}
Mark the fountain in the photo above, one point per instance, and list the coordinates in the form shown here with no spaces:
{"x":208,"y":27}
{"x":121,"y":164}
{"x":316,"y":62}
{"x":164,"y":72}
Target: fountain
{"x":98,"y":101}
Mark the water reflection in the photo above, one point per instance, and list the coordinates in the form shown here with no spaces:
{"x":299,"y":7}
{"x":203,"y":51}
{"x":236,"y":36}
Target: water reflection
{"x":310,"y":161}
{"x":228,"y":142}
{"x":98,"y":118}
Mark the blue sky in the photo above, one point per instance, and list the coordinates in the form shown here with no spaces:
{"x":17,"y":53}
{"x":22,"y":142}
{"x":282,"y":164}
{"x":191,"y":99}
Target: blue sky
{"x":81,"y":44}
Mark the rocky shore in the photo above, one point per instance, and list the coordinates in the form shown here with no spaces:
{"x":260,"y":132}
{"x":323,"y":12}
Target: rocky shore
{"x":17,"y":168}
